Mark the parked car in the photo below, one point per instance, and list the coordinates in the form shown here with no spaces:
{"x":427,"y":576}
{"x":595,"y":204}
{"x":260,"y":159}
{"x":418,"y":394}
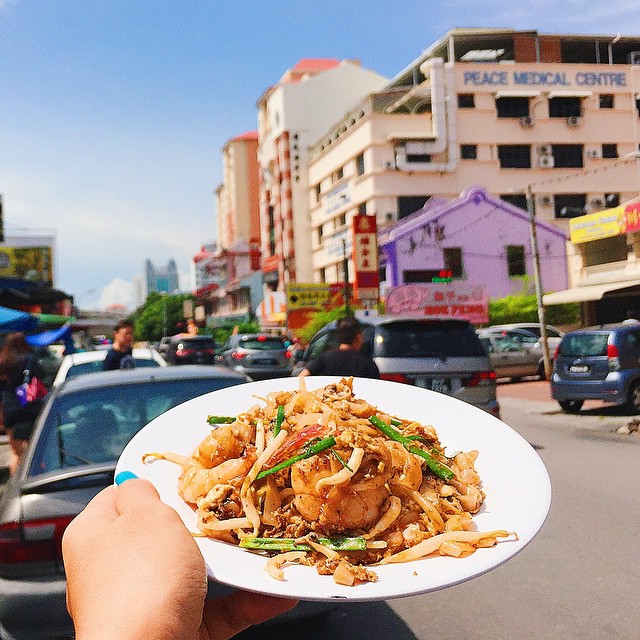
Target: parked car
{"x":83,"y":362}
{"x":598,"y":363}
{"x":77,"y":439}
{"x":510,"y":357}
{"x":553,"y":335}
{"x":259,"y":356}
{"x":441,"y":355}
{"x":190,"y":349}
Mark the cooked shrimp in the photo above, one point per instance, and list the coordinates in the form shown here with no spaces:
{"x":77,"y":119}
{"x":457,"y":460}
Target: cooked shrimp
{"x":224,"y":442}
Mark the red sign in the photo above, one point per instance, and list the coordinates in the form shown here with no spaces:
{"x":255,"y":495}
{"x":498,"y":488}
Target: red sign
{"x":365,"y":258}
{"x":631,"y":217}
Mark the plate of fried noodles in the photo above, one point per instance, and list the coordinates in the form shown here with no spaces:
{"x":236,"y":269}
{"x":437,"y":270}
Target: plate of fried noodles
{"x":352,"y":489}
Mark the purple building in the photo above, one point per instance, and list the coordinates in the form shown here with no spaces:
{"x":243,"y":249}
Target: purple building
{"x":480,"y":240}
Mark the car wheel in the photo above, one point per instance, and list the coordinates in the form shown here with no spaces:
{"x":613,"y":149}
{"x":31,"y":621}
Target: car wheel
{"x":571,"y":406}
{"x":633,"y":399}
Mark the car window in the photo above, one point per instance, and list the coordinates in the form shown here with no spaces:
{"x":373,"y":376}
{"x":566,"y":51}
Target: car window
{"x":633,"y":339}
{"x":85,"y":367}
{"x":262,"y":344}
{"x":89,"y":426}
{"x":317,"y":346}
{"x":584,"y":344}
{"x":418,"y":339}
{"x":552,"y":333}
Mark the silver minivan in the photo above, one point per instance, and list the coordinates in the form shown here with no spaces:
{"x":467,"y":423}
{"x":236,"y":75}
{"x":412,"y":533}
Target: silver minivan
{"x":443,"y":355}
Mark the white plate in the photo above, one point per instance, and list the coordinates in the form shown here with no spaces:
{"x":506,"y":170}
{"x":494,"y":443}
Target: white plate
{"x":516,"y":483}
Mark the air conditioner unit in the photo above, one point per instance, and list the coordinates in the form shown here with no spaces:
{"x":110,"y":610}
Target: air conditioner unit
{"x":545,"y":162}
{"x":634,"y":57}
{"x":545,"y":201}
{"x":594,"y":153}
{"x":526,"y":122}
{"x":574,"y":121}
{"x":596,"y":204}
{"x":390,"y":164}
{"x":545,"y":150}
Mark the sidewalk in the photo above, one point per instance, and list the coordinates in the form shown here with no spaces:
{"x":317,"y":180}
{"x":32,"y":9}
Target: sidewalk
{"x":537,"y":391}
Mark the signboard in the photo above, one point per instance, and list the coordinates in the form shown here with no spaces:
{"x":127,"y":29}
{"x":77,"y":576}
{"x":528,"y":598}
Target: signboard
{"x":365,"y":258}
{"x":447,"y":300}
{"x":34,"y":263}
{"x":306,"y":298}
{"x":607,"y":223}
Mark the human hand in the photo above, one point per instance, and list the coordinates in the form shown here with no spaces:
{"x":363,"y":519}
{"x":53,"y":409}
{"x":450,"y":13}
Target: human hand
{"x":134,"y":571}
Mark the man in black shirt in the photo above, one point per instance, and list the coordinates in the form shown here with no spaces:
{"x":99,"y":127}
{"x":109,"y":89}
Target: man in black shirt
{"x":346,"y":360}
{"x":120,"y":356}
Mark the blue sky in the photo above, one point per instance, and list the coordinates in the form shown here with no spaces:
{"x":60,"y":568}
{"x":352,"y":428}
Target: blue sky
{"x":113,"y":112}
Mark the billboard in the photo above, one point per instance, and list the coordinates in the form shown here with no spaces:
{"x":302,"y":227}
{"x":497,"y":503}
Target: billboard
{"x":29,"y":261}
{"x":606,"y":224}
{"x":447,"y":300}
{"x":305,"y":298}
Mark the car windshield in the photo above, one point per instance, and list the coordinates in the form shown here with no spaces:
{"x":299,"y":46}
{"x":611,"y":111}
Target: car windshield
{"x":98,"y":365}
{"x":584,"y":344}
{"x":94,"y":426}
{"x":262,"y":344}
{"x":423,"y":339}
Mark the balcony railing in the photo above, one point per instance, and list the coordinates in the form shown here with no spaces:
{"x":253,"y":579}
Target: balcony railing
{"x":609,"y":272}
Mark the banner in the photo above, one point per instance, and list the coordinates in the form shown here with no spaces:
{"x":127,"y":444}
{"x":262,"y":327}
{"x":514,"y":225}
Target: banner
{"x":34,"y":264}
{"x":365,"y":258}
{"x":306,"y":298}
{"x":447,"y":300}
{"x":607,"y":223}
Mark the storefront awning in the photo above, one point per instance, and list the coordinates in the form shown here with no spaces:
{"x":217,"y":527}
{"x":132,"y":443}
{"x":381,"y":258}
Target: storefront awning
{"x":586,"y":293}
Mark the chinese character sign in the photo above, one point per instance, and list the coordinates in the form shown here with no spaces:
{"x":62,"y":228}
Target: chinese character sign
{"x":453,"y":300}
{"x":365,"y":257}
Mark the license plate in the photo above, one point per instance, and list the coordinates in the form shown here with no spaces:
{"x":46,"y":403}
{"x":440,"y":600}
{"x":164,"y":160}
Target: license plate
{"x":579,"y":368}
{"x":441,"y":385}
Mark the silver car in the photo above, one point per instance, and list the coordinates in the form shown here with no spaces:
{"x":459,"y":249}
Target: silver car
{"x":260,"y":356}
{"x":510,"y":357}
{"x":77,"y":439}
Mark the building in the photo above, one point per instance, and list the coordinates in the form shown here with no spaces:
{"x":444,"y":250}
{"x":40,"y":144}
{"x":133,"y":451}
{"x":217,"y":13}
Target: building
{"x":604,"y":265}
{"x":293,"y":113}
{"x":238,"y":213}
{"x":159,"y":279}
{"x":506,"y":109}
{"x":443,"y":236}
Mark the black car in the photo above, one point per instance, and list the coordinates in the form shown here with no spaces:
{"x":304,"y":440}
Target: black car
{"x":188,"y":349}
{"x":78,"y":437}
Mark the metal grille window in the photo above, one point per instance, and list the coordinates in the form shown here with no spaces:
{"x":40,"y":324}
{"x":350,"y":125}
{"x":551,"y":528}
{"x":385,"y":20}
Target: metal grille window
{"x":452,"y":257}
{"x":565,"y":107}
{"x":514,"y":156}
{"x":468,"y":151}
{"x":516,"y":265}
{"x":516,"y":199}
{"x":360,"y":164}
{"x":606,"y":101}
{"x":466,"y":101}
{"x":568,"y":155}
{"x":570,"y":205}
{"x":610,"y":150}
{"x":512,"y":107}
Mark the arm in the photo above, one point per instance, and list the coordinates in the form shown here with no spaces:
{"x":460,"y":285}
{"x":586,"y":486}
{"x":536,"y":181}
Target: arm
{"x":134,"y":571}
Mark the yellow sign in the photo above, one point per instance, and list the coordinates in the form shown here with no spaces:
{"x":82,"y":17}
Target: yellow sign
{"x":593,"y":226}
{"x":27,"y":263}
{"x":312,"y":295}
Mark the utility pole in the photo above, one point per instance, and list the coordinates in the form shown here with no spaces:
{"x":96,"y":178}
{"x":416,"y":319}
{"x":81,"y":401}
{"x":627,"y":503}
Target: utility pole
{"x":345,"y":273}
{"x":531,"y":209}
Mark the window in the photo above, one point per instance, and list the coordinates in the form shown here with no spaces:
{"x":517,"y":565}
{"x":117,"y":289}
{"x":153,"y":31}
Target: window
{"x":362,"y":209}
{"x":570,"y":205}
{"x":516,"y":199}
{"x":340,"y":173}
{"x":320,"y":234}
{"x":272,"y":232}
{"x":565,"y":107}
{"x":514,"y":156}
{"x":342,"y":219}
{"x":512,"y":107}
{"x":453,"y":261}
{"x":323,"y":274}
{"x":567,"y":155}
{"x":409,"y":204}
{"x":606,"y":100}
{"x":466,"y":101}
{"x":516,"y":265}
{"x":318,"y":192}
{"x":360,"y":164}
{"x":468,"y":151}
{"x":414,"y":276}
{"x":610,"y":150}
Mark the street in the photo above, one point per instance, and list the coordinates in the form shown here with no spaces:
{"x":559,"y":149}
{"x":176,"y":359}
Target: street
{"x":577,"y":579}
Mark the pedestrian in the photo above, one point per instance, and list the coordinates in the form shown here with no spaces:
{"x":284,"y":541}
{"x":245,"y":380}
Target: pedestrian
{"x":120,"y":356}
{"x":134,"y":571}
{"x":347,"y":359}
{"x":17,"y":362}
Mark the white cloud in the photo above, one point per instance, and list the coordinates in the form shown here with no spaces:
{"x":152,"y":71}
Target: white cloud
{"x":118,"y":291}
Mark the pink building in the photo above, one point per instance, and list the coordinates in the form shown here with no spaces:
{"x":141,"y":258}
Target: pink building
{"x":480,"y":239}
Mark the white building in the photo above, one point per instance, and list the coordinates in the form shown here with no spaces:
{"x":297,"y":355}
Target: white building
{"x":291,"y":115}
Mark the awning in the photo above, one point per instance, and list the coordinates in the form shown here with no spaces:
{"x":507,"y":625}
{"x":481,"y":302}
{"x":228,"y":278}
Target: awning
{"x":586,"y":293}
{"x":569,"y":94}
{"x":12,"y":320}
{"x":49,"y":337}
{"x":512,"y":93}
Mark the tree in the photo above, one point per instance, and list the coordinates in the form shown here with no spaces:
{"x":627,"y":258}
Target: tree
{"x":158,"y":312}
